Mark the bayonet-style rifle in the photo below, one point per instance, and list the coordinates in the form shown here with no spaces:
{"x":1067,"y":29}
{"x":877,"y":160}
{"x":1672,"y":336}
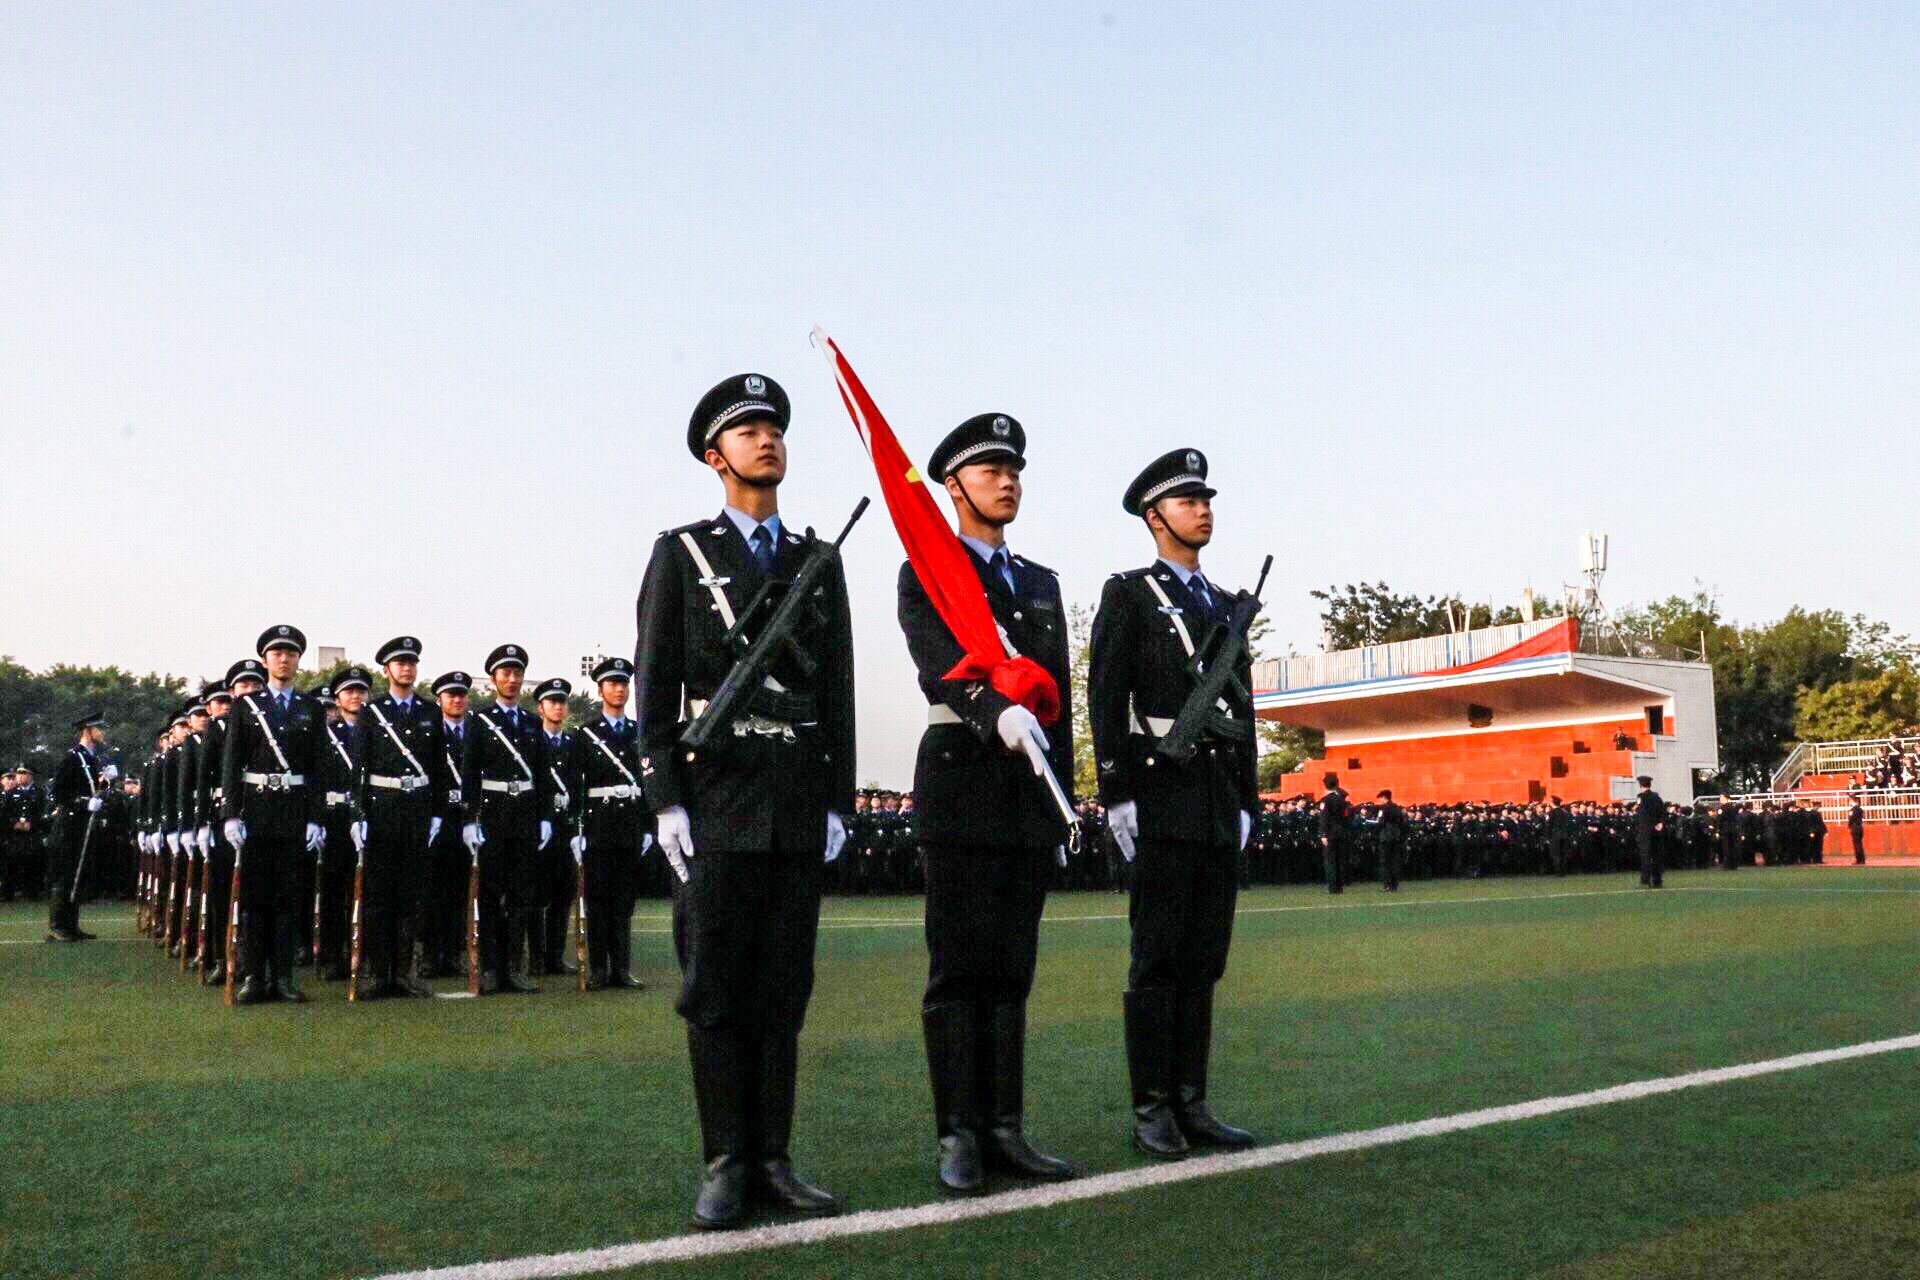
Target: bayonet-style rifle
{"x":766,"y":630}
{"x":1216,"y":669}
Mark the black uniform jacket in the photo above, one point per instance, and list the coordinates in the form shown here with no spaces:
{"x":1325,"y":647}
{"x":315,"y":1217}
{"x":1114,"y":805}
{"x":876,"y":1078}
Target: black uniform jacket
{"x":559,"y":806}
{"x":76,"y":779}
{"x":206,"y":782}
{"x":747,"y":791}
{"x":1138,"y":678}
{"x":606,"y":758}
{"x":338,"y":771}
{"x":380,"y":732}
{"x":280,"y":813}
{"x":508,"y":752}
{"x":1649,"y":811}
{"x":968,"y":789}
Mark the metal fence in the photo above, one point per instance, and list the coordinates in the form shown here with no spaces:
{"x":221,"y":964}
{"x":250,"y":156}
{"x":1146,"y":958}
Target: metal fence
{"x":1384,"y":661}
{"x":1892,"y":805}
{"x":1857,"y":756}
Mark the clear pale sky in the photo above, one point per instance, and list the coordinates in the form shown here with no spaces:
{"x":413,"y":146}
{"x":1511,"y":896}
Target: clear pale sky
{"x":389,"y":318}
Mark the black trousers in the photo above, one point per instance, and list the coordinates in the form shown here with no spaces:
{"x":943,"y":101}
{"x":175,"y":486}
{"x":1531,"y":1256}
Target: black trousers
{"x":1650,"y":863}
{"x":1557,"y":853}
{"x":1333,"y":856}
{"x":270,"y":901}
{"x":613,"y":886}
{"x":1859,"y":844}
{"x":1393,"y":852}
{"x":983,"y":922}
{"x":398,"y":869}
{"x":63,"y":860}
{"x":509,"y":873}
{"x":219,"y":898}
{"x":445,"y":913}
{"x":560,"y":880}
{"x":1181,"y":912}
{"x":334,"y":890}
{"x":744,"y":929}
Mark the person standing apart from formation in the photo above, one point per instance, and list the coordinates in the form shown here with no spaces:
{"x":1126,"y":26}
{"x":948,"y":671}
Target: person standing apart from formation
{"x":78,"y":794}
{"x":1857,"y":830}
{"x":986,"y":823}
{"x":1334,"y":817}
{"x":1181,"y":823}
{"x":1649,"y":820}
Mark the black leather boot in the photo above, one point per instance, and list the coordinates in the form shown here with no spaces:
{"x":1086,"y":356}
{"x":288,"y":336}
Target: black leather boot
{"x":774,"y":1180}
{"x":1150,"y":1030}
{"x":252,"y":961}
{"x":285,"y":946}
{"x":403,"y":982}
{"x":1006,"y":1147}
{"x":950,"y":1066}
{"x":1198,"y":1124}
{"x":620,"y":961}
{"x":720,"y":1077}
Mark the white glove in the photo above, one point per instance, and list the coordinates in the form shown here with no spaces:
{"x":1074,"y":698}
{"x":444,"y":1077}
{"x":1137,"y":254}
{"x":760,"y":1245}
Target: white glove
{"x":433,"y":829}
{"x":546,"y":832}
{"x":579,"y":846}
{"x":1246,"y":827}
{"x":473,"y":837}
{"x":646,"y":842}
{"x":1016,"y":725}
{"x":316,"y":837}
{"x":204,"y":838}
{"x":1060,"y":856}
{"x":358,"y":834}
{"x":173,"y":843}
{"x":1123,"y":820}
{"x":676,"y":838}
{"x":111,"y":772}
{"x":836,"y":835}
{"x":94,"y":804}
{"x":235,"y":829}
{"x":145,"y":842}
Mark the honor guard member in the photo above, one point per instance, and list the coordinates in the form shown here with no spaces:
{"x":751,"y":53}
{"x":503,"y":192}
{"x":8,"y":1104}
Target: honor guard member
{"x":271,"y":784}
{"x":247,"y":676}
{"x":1181,"y":824}
{"x":16,"y":830}
{"x":1649,"y":820}
{"x":744,"y":823}
{"x":1335,"y":817}
{"x":506,"y":827}
{"x":987,"y":825}
{"x":193,"y":859}
{"x":206,"y":803}
{"x":446,"y":913}
{"x":339,"y":776}
{"x":169,"y":818}
{"x":554,"y":887}
{"x":77,"y":794}
{"x":400,"y":802}
{"x":613,"y":826}
{"x":150,"y":840}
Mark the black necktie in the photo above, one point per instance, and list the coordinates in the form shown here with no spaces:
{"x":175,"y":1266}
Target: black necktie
{"x":1199,"y":585}
{"x":762,"y":542}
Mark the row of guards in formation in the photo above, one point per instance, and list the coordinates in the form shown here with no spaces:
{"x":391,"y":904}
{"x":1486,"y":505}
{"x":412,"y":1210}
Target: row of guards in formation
{"x":739,"y":758}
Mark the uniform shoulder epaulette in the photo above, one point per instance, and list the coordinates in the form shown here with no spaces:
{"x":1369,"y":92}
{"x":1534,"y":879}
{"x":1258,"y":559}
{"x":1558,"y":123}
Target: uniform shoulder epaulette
{"x":695,"y":527}
{"x":1133,"y":575}
{"x":1035,"y":564}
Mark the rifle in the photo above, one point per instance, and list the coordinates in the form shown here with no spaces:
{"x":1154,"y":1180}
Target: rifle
{"x":86,"y":837}
{"x":233,"y":923}
{"x":1216,"y":670}
{"x":473,"y":926}
{"x":319,"y":890}
{"x":354,"y":948}
{"x":754,"y":656}
{"x":187,"y":935}
{"x":580,"y":940}
{"x":206,"y":892}
{"x":172,"y":864}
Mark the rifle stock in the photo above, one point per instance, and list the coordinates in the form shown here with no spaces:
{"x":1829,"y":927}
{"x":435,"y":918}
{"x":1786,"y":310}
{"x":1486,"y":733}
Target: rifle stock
{"x":580,"y":948}
{"x":473,"y":927}
{"x":188,"y":934}
{"x":354,"y":946}
{"x":233,"y":922}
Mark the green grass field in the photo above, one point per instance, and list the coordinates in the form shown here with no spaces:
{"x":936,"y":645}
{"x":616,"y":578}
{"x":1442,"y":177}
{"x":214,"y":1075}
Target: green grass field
{"x":150,"y":1132}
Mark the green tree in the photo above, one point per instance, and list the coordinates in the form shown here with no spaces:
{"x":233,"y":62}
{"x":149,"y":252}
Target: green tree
{"x":37,"y":709}
{"x":1373,"y":613}
{"x":1883,"y":705}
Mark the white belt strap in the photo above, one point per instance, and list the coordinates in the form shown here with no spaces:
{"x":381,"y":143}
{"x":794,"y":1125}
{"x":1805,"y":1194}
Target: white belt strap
{"x":338,"y":797}
{"x":625,"y":791}
{"x":566,"y":796}
{"x":267,"y":728}
{"x":507,"y":742}
{"x":511,"y":788}
{"x":617,"y":763}
{"x":387,"y":783}
{"x":708,"y":579}
{"x":1179,"y":621}
{"x":340,"y":747}
{"x":274,"y":779}
{"x":412,"y":759}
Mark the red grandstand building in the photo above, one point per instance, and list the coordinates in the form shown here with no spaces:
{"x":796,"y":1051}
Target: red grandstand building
{"x":1508,"y":714}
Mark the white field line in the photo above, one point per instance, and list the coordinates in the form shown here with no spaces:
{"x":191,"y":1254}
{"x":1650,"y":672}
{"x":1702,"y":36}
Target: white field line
{"x":875,"y":1221}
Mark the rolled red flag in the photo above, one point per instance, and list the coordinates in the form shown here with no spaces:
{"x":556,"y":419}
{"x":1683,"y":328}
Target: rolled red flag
{"x":939,"y":560}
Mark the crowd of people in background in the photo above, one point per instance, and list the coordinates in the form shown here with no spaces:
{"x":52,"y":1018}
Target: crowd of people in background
{"x":1896,"y":769}
{"x":883,"y":857}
